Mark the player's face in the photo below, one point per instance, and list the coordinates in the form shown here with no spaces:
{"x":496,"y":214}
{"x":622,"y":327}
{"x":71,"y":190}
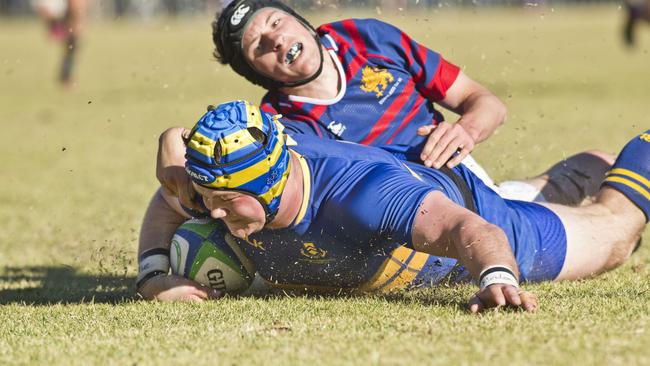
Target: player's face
{"x":279,"y":46}
{"x":242,"y":214}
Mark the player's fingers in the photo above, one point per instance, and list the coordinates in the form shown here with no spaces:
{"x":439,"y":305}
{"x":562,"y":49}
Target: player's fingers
{"x":193,"y":297}
{"x":492,"y":296}
{"x":529,"y":301}
{"x":440,"y":147}
{"x":475,"y":304}
{"x":461,"y":154}
{"x":450,"y":150}
{"x":511,"y":294}
{"x":425,"y":130}
{"x":214,"y":294}
{"x":435,"y":134}
{"x":199,"y":292}
{"x":430,"y":145}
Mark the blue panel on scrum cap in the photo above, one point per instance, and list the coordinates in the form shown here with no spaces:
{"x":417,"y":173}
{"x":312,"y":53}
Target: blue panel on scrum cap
{"x":223,"y":152}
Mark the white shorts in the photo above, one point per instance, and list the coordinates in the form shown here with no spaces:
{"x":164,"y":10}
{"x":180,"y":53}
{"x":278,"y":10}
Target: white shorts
{"x":510,"y":189}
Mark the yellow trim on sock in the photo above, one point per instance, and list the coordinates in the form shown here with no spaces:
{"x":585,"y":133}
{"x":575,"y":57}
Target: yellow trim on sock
{"x":631,"y":174}
{"x":630,"y":184}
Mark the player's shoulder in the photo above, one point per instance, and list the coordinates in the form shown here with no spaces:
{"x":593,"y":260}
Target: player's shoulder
{"x":347,"y":158}
{"x":356,"y":25}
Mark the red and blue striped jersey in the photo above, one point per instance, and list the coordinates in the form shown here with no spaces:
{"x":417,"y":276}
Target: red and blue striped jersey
{"x":388,"y":84}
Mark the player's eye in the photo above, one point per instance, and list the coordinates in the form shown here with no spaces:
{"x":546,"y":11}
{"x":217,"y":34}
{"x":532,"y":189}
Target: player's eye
{"x":228,"y":197}
{"x":275,"y":23}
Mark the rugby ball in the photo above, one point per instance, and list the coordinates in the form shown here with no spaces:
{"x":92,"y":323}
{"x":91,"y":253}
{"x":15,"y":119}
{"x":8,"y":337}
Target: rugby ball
{"x":203,"y":250}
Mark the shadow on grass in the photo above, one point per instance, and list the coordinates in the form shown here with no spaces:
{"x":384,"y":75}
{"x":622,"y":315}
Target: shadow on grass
{"x":43,"y":285}
{"x":46,"y":285}
{"x":455,"y":296}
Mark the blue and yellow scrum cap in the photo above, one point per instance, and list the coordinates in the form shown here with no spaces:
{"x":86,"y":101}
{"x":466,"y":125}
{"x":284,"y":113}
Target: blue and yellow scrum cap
{"x":236,"y":146}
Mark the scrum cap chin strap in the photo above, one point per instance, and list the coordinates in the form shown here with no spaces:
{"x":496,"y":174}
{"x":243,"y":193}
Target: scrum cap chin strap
{"x":229,"y":31}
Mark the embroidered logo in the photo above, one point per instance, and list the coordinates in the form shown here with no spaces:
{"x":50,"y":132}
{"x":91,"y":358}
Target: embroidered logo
{"x":232,"y":241}
{"x":337,"y":128}
{"x":240,"y":13}
{"x":310,"y":251}
{"x":376,"y":80}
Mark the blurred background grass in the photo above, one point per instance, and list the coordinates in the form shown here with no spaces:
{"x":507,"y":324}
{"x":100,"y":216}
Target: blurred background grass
{"x":77,"y":170}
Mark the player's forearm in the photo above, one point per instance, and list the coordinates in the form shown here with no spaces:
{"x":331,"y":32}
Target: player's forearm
{"x":159,"y":224}
{"x":481,"y":245}
{"x":481,"y":114}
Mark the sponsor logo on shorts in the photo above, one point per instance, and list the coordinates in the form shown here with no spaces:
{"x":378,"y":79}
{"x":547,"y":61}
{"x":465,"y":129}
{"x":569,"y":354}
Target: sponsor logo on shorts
{"x":240,"y":13}
{"x":645,"y":137}
{"x":315,"y":254}
{"x":375,"y":80}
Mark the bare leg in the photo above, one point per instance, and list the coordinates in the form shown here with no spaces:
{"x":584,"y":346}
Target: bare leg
{"x":74,"y":21}
{"x":573,"y":182}
{"x":600,"y":236}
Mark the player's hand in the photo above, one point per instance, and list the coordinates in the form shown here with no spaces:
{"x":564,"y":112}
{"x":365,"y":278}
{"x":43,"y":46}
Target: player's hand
{"x":499,"y":295}
{"x":170,"y":167}
{"x":447,"y":143}
{"x":176,"y":288}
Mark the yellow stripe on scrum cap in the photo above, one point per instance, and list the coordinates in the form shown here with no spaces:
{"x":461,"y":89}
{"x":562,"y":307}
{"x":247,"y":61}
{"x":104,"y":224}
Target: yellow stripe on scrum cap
{"x":277,"y":189}
{"x":241,"y":139}
{"x":254,"y":116}
{"x":244,"y":176}
{"x":236,"y":141}
{"x":202,"y":144}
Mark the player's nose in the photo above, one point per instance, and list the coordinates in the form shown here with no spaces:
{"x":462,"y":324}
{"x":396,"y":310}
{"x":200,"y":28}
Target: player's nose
{"x":273,"y":41}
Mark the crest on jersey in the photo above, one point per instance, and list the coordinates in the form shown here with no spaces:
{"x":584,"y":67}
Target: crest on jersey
{"x":376,"y":80}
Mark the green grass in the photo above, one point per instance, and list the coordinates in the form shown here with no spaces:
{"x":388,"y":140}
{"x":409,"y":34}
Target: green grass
{"x":77,"y":170}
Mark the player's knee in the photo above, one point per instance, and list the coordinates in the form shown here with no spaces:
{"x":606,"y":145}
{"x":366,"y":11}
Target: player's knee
{"x":607,"y":158}
{"x":620,"y":254}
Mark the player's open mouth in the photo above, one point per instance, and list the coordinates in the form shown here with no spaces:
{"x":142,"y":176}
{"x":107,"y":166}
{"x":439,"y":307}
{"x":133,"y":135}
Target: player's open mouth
{"x":293,"y":53}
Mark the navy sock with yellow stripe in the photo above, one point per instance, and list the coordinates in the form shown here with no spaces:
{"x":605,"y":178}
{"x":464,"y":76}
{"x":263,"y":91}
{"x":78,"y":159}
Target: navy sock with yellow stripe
{"x":631,"y":172}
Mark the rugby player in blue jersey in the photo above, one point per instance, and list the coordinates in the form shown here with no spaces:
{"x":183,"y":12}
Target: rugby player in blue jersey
{"x":365,"y":81}
{"x":359,"y":205}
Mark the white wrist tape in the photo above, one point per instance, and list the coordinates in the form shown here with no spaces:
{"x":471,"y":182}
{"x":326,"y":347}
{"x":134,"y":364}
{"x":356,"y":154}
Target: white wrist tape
{"x":153,"y":262}
{"x":497,"y":274}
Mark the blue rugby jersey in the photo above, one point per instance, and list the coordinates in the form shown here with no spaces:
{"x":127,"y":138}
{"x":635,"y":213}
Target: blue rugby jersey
{"x":389,"y":84}
{"x":354,"y":227}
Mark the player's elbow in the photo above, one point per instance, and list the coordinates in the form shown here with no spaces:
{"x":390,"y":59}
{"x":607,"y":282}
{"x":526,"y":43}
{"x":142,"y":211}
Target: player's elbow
{"x":170,"y":133}
{"x":500,"y":110}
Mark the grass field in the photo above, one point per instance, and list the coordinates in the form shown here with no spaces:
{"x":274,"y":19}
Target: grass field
{"x":77,"y":170}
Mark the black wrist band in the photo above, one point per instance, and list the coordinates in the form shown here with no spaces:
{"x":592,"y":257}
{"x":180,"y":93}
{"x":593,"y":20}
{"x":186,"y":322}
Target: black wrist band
{"x":147,"y":277}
